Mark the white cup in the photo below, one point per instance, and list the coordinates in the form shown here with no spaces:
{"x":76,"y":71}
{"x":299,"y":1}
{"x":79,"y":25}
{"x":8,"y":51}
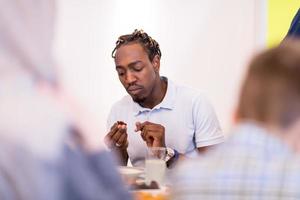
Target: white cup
{"x":155,"y":165}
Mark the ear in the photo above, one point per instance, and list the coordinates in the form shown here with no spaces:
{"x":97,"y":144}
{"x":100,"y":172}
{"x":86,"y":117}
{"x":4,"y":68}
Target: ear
{"x":156,"y":63}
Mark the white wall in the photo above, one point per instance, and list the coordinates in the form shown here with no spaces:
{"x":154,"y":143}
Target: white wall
{"x":205,"y":44}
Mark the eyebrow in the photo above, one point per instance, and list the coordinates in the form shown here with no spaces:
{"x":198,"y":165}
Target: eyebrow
{"x":130,"y":64}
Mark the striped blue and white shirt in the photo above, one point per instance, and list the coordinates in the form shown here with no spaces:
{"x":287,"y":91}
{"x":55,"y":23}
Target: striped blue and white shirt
{"x":252,"y":164}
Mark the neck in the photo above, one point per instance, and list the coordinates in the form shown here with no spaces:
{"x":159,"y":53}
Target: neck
{"x":291,"y":135}
{"x":157,"y":95}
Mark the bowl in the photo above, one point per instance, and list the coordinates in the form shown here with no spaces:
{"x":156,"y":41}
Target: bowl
{"x":130,"y":172}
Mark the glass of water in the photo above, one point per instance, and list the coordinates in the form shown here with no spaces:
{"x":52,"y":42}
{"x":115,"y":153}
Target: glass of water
{"x":155,"y":165}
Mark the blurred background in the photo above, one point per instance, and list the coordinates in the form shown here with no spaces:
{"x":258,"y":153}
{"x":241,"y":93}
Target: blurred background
{"x":205,"y":45}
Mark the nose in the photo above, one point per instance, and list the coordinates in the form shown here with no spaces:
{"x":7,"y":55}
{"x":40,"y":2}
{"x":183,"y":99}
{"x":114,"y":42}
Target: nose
{"x":130,"y":77}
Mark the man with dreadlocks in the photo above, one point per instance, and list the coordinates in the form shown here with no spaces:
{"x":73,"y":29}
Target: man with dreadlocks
{"x":156,"y":113}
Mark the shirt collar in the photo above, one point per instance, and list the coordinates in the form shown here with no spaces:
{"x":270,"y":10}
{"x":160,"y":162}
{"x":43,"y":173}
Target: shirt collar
{"x":167,"y":102}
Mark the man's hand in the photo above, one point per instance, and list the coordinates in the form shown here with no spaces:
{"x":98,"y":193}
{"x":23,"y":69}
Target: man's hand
{"x":117,"y":136}
{"x":152,"y":134}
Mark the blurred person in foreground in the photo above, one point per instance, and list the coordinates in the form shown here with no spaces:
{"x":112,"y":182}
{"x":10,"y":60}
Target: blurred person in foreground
{"x":156,"y":112}
{"x":44,"y":149}
{"x":261,"y":160}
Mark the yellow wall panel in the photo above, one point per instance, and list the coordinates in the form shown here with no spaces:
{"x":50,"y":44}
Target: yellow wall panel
{"x":280,"y":15}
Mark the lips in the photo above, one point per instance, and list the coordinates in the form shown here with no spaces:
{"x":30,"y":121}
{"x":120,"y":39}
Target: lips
{"x":134,"y":89}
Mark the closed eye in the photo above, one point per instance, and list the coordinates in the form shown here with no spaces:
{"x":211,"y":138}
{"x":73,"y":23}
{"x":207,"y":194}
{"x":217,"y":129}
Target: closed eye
{"x":137,"y":68}
{"x":120,"y":72}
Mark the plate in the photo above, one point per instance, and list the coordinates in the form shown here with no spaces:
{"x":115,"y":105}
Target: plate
{"x":130,"y":172}
{"x":156,"y":194}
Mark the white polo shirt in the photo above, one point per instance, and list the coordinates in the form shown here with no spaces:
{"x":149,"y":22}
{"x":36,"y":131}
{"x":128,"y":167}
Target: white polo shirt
{"x":189,"y":120}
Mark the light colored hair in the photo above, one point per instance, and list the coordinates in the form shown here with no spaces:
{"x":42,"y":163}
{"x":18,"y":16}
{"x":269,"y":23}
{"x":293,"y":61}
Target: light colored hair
{"x":271,"y":91}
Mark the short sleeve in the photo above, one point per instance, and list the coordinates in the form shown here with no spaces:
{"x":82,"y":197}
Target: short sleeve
{"x":207,"y":127}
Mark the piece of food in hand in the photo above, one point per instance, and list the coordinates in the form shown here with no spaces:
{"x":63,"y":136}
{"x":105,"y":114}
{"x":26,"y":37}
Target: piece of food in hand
{"x":121,"y":123}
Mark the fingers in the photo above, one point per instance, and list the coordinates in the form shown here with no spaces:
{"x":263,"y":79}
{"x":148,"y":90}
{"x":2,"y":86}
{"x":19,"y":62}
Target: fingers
{"x":156,"y":129}
{"x":113,"y":130}
{"x":151,"y":133}
{"x":121,"y":131}
{"x":117,"y":135}
{"x":108,"y":137}
{"x":147,"y":137}
{"x":122,"y":141}
{"x":121,"y":123}
{"x":150,"y":141}
{"x":143,"y":134}
{"x":140,"y":126}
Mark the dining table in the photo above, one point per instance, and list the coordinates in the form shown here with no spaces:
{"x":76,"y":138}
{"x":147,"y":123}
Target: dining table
{"x":134,"y":180}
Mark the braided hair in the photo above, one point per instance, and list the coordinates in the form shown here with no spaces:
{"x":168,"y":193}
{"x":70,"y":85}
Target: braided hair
{"x":139,"y":36}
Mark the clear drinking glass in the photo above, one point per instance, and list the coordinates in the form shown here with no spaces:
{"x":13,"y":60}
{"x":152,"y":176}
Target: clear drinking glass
{"x":155,"y":165}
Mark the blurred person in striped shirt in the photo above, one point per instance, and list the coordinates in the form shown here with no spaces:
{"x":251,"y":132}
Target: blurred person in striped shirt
{"x":261,"y":159}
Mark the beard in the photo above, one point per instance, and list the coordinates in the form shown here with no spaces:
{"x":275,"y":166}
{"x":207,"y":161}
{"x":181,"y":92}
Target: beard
{"x":138,"y":99}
